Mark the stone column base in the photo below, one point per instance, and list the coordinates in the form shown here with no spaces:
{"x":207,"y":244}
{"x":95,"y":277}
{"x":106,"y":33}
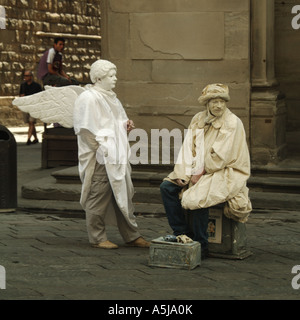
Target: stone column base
{"x":267,"y":126}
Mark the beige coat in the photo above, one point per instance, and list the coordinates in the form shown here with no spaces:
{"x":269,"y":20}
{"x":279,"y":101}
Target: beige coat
{"x":227,"y":166}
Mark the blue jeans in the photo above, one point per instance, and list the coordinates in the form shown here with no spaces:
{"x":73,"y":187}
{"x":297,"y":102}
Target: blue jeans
{"x":193,"y":223}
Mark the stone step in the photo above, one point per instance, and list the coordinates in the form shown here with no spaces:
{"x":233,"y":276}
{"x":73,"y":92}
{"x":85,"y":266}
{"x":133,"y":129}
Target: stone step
{"x":270,"y":200}
{"x":139,"y":177}
{"x":288,"y":168}
{"x":48,"y":189}
{"x":275,"y":172}
{"x":47,"y":206}
{"x":255,"y":183}
{"x":147,"y":198}
{"x":48,"y":195}
{"x":147,"y":178}
{"x":67,"y":176}
{"x":73,"y":208}
{"x":270,"y":188}
{"x":260,"y":200}
{"x":274,"y":184}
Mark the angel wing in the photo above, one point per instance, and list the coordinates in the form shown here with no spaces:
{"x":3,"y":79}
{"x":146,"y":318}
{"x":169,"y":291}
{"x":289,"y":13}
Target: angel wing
{"x":55,"y":104}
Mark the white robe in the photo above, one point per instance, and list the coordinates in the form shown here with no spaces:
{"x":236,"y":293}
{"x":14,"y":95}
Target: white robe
{"x":100,"y":123}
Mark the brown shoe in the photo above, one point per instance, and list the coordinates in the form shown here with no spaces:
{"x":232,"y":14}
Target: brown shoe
{"x":139,"y":242}
{"x":105,"y":245}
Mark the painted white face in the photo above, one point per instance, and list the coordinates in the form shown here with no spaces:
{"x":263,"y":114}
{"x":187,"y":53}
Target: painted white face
{"x":217,"y":107}
{"x":109,"y":81}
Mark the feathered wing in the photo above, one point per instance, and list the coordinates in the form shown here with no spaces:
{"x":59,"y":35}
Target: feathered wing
{"x":54,"y":105}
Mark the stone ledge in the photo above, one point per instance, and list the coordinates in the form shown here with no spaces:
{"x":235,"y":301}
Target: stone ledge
{"x":68,"y":35}
{"x":6,"y":100}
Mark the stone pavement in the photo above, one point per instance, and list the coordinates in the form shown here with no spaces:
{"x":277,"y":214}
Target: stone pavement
{"x":47,"y":256}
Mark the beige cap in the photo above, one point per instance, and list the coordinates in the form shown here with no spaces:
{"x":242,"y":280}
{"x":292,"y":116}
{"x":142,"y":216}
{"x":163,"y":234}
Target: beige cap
{"x":212,"y":91}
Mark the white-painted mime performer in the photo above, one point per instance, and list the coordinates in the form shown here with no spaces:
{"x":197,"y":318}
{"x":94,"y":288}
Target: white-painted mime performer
{"x":101,"y":126}
{"x":195,"y":186}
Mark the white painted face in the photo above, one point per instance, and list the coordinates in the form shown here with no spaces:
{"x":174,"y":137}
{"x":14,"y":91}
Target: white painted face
{"x":217,"y":107}
{"x":109,"y":81}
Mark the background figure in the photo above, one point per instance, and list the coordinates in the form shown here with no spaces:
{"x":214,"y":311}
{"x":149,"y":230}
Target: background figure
{"x":27,"y":88}
{"x":50,"y":69}
{"x":101,"y":125}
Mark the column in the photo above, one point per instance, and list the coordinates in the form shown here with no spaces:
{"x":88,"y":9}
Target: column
{"x":268,"y":111}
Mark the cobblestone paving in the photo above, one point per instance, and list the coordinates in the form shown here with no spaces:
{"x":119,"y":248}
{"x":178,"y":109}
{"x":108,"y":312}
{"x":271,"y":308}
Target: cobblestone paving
{"x":48,"y":257}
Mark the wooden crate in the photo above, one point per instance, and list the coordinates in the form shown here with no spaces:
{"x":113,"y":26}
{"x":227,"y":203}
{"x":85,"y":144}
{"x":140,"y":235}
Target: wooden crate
{"x":59,"y":147}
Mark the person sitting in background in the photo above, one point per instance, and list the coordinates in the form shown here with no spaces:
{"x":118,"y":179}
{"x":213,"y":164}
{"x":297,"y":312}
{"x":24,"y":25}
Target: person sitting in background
{"x":27,"y":88}
{"x":50,"y":69}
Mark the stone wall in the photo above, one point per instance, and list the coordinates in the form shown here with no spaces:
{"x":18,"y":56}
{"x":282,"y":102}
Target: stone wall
{"x":168,"y":51}
{"x":10,"y":116}
{"x":30,"y":29}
